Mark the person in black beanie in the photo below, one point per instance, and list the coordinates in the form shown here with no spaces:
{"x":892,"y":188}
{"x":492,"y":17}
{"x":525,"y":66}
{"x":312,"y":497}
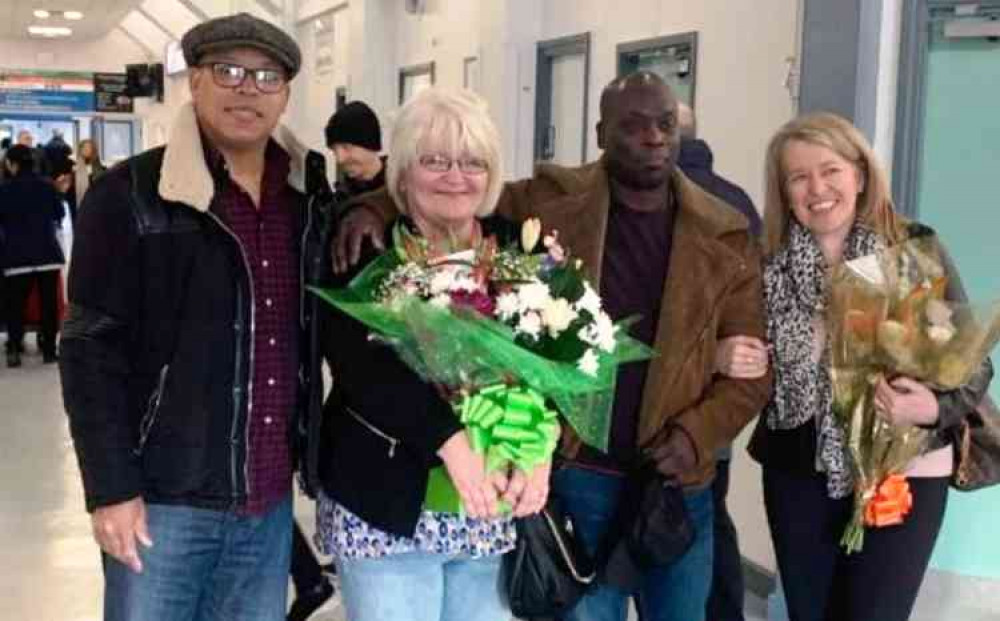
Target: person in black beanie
{"x":354,"y":137}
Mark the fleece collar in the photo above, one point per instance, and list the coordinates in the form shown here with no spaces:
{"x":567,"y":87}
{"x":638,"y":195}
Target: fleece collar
{"x":185,"y":177}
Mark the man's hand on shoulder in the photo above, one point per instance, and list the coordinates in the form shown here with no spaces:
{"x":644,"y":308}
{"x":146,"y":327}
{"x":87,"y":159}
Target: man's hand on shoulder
{"x":359,"y":223}
{"x":117,"y":528}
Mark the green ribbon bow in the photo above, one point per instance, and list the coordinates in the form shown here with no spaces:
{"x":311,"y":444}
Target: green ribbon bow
{"x":508,"y":424}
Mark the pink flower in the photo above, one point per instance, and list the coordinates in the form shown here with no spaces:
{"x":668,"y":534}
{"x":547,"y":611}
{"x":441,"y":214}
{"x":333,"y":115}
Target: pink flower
{"x":556,"y":251}
{"x":478,"y":301}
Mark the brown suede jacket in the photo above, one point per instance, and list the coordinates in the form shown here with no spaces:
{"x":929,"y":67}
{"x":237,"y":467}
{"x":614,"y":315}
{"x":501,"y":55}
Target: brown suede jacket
{"x":713,"y":290}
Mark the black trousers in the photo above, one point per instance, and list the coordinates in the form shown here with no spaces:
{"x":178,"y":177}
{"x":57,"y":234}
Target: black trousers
{"x":725,"y":601}
{"x":821,"y":583}
{"x":305,"y":569}
{"x":16,"y":293}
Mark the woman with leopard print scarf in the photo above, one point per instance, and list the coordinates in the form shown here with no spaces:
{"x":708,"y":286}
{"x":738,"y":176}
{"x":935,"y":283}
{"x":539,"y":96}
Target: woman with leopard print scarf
{"x":828,"y":201}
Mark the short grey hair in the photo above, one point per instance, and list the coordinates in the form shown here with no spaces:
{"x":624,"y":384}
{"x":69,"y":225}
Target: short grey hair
{"x":451,"y":122}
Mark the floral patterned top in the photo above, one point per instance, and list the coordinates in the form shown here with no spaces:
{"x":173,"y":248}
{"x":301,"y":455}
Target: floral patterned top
{"x":344,"y":535}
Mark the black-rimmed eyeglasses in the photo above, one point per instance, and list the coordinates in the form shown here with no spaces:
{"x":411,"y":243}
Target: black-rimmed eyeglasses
{"x":438,"y":163}
{"x":228,"y":75}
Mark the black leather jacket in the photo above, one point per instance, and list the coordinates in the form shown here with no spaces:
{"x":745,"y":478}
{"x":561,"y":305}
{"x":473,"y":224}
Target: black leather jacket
{"x":156,"y":364}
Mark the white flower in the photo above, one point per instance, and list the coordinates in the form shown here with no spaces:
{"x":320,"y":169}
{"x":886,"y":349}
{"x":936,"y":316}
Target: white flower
{"x":941,"y":334}
{"x":606,"y":333}
{"x":530,"y":231}
{"x":557,"y":315}
{"x":442,"y":300}
{"x":589,"y":301}
{"x":464,"y":283}
{"x":588,"y":363}
{"x":600,"y":333}
{"x":533,"y":296}
{"x":442,"y":281}
{"x":530,"y":324}
{"x":507,"y":306}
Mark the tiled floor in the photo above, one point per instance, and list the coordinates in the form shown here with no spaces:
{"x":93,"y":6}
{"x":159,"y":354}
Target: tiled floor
{"x":51,"y":568}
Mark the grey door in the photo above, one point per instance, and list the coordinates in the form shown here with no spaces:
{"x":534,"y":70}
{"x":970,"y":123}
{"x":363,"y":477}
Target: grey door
{"x":562,"y":82}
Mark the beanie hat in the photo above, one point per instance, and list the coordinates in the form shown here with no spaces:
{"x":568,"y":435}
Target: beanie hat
{"x":355,"y":124}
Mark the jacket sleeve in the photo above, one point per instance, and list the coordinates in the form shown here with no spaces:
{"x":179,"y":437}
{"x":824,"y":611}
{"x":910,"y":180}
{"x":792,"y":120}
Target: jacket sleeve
{"x":377,"y":201}
{"x":104,"y":280}
{"x":729,"y":404}
{"x":955,"y":405}
{"x":516,"y":201}
{"x":374,"y":382}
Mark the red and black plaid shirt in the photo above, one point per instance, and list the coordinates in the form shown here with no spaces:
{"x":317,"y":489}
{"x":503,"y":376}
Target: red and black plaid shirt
{"x":268,"y":235}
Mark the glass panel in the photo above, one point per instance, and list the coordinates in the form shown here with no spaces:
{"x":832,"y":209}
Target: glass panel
{"x":673,"y":63}
{"x":117,"y":141}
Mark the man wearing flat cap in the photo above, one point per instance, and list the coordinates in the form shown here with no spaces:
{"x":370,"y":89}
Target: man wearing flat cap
{"x":188,"y":366}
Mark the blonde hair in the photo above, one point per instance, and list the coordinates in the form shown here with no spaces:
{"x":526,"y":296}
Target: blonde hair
{"x":455,"y":123}
{"x":825,"y":129}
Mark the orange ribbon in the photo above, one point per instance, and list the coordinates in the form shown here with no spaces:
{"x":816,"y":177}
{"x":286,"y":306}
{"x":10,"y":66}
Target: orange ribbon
{"x":891,"y":503}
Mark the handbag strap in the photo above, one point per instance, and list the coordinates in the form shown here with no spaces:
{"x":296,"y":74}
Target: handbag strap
{"x":564,"y":550}
{"x":962,"y":473}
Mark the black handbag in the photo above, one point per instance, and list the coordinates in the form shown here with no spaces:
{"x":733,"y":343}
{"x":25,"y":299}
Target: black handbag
{"x":977,"y":444}
{"x":656,"y":531}
{"x":548,"y":571}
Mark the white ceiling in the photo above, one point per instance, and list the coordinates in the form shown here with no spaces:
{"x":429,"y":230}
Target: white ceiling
{"x":99,"y":16}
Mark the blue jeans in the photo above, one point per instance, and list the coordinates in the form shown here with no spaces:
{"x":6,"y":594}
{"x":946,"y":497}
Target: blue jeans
{"x":205,"y":565}
{"x":419,"y":586}
{"x":675,"y":593}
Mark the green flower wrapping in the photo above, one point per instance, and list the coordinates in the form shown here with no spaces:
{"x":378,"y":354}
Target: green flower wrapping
{"x":511,"y":387}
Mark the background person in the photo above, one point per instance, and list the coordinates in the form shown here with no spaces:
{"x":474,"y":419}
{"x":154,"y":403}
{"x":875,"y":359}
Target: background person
{"x":354,"y":137}
{"x":88,"y":168}
{"x":30,"y":213}
{"x":725,"y":601}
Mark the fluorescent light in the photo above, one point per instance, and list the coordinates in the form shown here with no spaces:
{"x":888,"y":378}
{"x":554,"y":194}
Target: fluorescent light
{"x":41,"y":14}
{"x":73,"y":15}
{"x":50,"y":31}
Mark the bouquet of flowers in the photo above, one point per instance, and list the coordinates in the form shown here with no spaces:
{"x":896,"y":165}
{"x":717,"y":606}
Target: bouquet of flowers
{"x":888,"y":317}
{"x":506,"y":333}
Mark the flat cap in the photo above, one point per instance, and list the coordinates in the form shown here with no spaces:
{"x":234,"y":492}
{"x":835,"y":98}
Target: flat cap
{"x":241,"y":30}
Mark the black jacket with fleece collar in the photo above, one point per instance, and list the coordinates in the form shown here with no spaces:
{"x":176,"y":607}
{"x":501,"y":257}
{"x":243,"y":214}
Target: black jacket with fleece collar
{"x":157,"y":350}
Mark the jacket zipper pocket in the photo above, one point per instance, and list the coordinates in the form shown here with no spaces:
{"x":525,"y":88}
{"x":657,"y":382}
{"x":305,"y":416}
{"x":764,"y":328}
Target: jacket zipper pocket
{"x":372,"y":428}
{"x":152,"y":409}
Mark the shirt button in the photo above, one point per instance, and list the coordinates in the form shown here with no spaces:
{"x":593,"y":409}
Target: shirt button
{"x":272,"y":342}
{"x":267,"y":420}
{"x":264,"y":263}
{"x":270,"y":381}
{"x":268,"y":302}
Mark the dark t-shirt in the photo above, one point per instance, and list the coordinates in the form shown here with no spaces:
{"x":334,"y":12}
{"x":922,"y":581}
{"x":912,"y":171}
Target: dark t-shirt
{"x":636,"y":255}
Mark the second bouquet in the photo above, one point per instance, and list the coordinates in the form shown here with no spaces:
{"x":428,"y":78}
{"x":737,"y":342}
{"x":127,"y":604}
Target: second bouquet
{"x":896,"y":313}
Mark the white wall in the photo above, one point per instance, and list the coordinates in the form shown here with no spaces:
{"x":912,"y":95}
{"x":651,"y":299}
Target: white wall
{"x":740,"y":99}
{"x":107,"y":54}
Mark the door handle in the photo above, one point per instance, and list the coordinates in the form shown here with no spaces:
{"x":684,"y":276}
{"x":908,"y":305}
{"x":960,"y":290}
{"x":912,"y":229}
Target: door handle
{"x":550,"y":143}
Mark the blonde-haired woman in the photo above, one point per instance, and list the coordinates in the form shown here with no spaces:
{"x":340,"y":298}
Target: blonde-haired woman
{"x":385,"y":428}
{"x":88,"y":167}
{"x":827,"y":201}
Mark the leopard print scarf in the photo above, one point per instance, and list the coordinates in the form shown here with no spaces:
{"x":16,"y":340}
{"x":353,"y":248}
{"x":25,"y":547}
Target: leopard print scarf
{"x":795,"y":290}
